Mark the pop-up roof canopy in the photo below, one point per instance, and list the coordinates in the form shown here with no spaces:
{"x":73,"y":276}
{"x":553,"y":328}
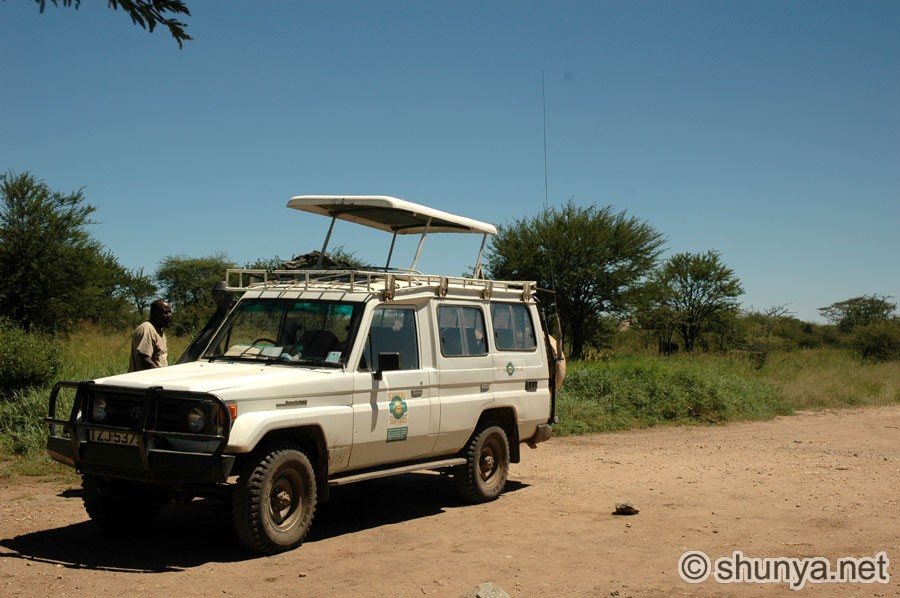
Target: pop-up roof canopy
{"x":389,"y":214}
{"x":392,"y":215}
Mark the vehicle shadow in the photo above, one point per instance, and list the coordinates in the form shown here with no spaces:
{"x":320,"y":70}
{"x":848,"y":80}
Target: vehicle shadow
{"x":372,"y":504}
{"x":188,"y":536}
{"x":180,"y":538}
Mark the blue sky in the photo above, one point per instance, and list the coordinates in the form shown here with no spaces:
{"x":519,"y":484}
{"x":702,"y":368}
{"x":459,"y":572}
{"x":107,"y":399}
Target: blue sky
{"x":766,"y":130}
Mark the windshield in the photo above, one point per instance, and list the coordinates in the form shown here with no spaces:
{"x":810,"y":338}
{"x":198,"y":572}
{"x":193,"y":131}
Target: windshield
{"x":288,"y":331}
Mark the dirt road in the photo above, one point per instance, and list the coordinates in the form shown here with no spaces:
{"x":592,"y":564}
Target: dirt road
{"x":813,"y":485}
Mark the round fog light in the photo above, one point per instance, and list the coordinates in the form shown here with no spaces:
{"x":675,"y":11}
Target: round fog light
{"x":196,"y":419}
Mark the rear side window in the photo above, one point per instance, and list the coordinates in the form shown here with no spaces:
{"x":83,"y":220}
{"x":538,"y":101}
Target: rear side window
{"x":462,"y":331}
{"x":513,"y":327}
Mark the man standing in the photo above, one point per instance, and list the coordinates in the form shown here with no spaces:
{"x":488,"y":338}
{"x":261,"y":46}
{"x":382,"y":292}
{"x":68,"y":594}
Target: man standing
{"x":148,"y":344}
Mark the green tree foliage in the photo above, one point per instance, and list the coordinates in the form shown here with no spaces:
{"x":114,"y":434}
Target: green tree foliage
{"x":187,"y":283}
{"x":146,"y":13}
{"x":694,"y":291}
{"x":758,"y":331}
{"x":348,"y":258}
{"x":593,"y":258}
{"x":859,"y":311}
{"x":26,"y":360}
{"x":262,"y":263}
{"x":796,"y":334}
{"x":140,"y":288}
{"x":54,"y":273}
{"x":877,"y":341}
{"x":339,"y":257}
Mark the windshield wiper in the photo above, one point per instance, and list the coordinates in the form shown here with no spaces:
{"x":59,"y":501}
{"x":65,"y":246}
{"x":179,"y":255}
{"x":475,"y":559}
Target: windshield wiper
{"x":318,"y":361}
{"x":247,"y":358}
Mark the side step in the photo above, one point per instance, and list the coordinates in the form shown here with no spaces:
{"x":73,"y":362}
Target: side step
{"x":383,"y":473}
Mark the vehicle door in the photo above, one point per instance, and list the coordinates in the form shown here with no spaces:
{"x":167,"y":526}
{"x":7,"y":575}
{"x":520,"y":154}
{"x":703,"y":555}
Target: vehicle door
{"x":393,"y":415}
{"x":465,"y":372}
{"x":520,"y":364}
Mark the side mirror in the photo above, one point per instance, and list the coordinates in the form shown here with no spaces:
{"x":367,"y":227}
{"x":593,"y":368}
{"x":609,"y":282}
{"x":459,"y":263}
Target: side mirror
{"x":387,"y":362}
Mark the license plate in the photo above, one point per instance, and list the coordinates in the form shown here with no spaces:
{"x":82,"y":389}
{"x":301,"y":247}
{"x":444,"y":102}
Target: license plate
{"x":114,"y":437}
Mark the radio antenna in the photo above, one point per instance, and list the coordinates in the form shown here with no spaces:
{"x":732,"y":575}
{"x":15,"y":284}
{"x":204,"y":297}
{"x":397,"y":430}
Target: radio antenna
{"x":546,"y":169}
{"x":558,"y":356}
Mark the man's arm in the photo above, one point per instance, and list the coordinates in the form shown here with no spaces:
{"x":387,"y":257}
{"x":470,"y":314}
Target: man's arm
{"x":144,"y":347}
{"x":146,"y":361}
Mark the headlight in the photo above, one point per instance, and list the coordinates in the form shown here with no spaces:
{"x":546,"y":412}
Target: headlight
{"x":99,"y":413}
{"x":196,"y":419}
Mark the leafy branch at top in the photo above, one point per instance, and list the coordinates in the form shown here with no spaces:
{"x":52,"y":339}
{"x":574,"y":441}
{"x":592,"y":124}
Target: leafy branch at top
{"x":146,"y":13}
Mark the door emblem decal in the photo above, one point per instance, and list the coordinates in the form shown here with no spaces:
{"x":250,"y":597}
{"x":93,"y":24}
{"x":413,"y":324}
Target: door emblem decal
{"x":398,"y":409}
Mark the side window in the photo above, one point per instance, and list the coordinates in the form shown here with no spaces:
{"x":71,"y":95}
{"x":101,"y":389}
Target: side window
{"x":462,"y":331}
{"x":393,"y":331}
{"x":513,"y":327}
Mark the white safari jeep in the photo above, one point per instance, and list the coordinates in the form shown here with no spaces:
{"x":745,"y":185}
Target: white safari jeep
{"x":318,"y":378}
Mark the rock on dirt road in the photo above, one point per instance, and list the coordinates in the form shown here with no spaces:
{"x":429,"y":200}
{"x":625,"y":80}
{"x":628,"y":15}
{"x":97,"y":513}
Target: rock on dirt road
{"x":818,"y":484}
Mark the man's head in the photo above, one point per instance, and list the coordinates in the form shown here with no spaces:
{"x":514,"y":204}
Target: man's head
{"x":160,"y":313}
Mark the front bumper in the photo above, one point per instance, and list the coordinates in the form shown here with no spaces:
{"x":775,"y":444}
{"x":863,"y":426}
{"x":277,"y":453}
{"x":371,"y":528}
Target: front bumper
{"x":144,"y":436}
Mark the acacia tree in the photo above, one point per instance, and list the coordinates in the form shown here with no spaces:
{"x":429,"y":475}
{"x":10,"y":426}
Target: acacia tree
{"x":54,"y":273}
{"x":146,"y":13}
{"x":594,"y":259}
{"x":859,"y":311}
{"x":140,"y":289}
{"x":693,"y":290}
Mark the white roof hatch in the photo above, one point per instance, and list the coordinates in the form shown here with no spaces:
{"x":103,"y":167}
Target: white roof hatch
{"x":392,"y":215}
{"x":389,"y":214}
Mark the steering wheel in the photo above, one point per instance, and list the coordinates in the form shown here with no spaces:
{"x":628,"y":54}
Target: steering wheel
{"x":263,"y":340}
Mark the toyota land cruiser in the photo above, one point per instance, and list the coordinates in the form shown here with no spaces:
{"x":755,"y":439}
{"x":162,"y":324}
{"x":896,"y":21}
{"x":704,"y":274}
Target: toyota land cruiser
{"x":318,"y":378}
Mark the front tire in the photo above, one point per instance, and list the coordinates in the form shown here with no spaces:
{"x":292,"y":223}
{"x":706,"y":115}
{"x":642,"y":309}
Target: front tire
{"x":275,"y":501}
{"x":484,"y":475}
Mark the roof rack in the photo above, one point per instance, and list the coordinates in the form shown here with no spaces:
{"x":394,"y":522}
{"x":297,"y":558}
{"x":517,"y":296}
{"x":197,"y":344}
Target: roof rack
{"x":390,"y":214}
{"x":239,"y":280}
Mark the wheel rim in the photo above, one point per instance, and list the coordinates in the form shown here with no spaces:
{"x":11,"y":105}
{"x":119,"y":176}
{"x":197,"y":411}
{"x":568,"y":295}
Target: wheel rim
{"x":286,"y":499}
{"x":489,"y":462}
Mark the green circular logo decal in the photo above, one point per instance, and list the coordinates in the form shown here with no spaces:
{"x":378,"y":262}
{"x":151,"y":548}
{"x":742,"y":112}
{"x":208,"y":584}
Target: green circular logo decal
{"x":398,"y":408}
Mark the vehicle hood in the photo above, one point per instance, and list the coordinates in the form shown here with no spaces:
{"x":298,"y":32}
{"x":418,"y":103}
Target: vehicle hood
{"x":220,"y":376}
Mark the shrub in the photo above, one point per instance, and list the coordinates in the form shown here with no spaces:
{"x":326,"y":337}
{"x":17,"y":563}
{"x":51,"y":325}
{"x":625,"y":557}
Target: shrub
{"x":27,"y":360}
{"x":22,"y":427}
{"x":878,"y":341}
{"x":624,"y":393}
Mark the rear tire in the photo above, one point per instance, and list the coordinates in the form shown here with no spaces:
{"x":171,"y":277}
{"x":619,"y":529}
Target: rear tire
{"x":275,"y":500}
{"x":109,"y":504}
{"x":484,"y":475}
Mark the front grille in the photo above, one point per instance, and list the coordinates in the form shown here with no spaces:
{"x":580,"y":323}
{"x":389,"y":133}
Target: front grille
{"x":121,"y":411}
{"x":156,"y":411}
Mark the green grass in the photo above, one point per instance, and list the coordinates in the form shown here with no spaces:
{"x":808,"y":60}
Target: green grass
{"x":623,"y":392}
{"x":833,"y":379}
{"x":90,"y":353}
{"x":86,"y":354}
{"x":629,"y":392}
